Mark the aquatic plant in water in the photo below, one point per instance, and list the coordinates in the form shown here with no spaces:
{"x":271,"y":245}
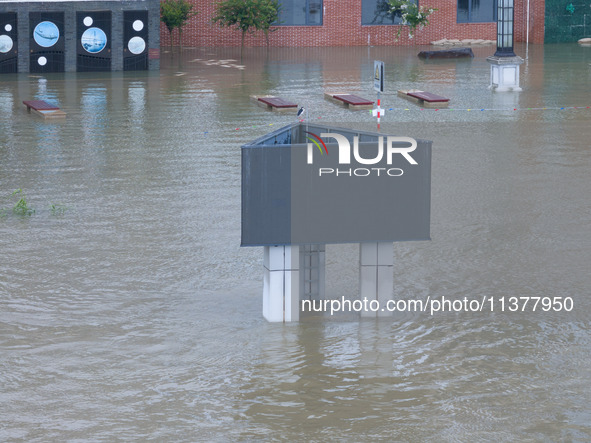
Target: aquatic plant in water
{"x":22,"y":207}
{"x":57,"y":209}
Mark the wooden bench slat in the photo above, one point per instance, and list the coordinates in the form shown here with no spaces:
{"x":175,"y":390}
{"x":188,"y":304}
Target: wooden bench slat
{"x":352,"y":99}
{"x":277,"y":102}
{"x":40,"y":105}
{"x":428,"y":97}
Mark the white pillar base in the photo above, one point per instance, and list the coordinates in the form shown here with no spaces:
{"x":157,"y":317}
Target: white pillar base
{"x":504,"y":73}
{"x":376,"y":275}
{"x":281,"y":287}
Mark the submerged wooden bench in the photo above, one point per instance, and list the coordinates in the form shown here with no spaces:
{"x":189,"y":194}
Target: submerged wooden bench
{"x":44,"y":109}
{"x":424,"y":99}
{"x":350,"y":101}
{"x":276,"y":104}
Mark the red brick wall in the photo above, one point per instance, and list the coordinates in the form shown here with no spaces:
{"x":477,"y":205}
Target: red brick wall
{"x":536,"y":20}
{"x":342,"y":27}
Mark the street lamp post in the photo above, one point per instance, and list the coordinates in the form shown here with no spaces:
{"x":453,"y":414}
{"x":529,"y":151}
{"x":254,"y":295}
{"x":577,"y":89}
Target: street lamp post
{"x":504,"y":69}
{"x":505,"y":15}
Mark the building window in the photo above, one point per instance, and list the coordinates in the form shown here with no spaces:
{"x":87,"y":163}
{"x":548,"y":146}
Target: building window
{"x":477,"y":11}
{"x":300,"y":13}
{"x":376,"y":12}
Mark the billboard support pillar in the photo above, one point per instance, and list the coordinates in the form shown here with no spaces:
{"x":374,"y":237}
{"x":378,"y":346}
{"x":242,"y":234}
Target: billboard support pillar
{"x":376,"y":277}
{"x":312,"y":272}
{"x":281,"y":287}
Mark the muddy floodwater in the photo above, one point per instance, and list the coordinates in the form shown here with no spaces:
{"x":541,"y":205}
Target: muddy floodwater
{"x":129,"y":312}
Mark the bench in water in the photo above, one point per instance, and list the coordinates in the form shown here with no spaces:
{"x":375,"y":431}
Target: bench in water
{"x":350,"y":101}
{"x":44,"y":109}
{"x":447,"y":53}
{"x":424,"y":99}
{"x":275,"y":104}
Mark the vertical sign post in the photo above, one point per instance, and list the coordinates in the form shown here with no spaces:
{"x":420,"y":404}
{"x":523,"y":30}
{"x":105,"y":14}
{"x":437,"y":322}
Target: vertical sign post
{"x":378,"y":85}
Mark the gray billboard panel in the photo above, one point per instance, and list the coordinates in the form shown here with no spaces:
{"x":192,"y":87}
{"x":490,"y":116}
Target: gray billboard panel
{"x":266,"y":201}
{"x":340,"y":186}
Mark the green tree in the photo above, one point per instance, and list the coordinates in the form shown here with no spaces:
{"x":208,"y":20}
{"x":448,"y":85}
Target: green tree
{"x":248,"y":16}
{"x":271,"y":9}
{"x":175,"y":14}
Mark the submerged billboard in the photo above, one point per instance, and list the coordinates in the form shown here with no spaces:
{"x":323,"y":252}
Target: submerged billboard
{"x":306,"y":184}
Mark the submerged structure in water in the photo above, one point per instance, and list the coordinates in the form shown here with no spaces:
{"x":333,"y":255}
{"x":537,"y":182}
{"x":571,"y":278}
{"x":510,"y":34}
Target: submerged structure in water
{"x":305,"y":186}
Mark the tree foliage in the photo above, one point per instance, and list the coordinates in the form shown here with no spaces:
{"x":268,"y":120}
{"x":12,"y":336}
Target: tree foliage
{"x":175,"y":14}
{"x":248,"y":15}
{"x":413,"y":16}
{"x":271,"y":9}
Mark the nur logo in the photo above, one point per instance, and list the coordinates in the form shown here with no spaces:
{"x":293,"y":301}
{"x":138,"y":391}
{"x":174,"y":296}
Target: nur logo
{"x":389,"y":148}
{"x":316,"y":143}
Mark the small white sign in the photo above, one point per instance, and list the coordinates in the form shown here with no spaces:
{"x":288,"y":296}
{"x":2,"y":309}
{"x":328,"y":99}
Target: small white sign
{"x":378,"y":76}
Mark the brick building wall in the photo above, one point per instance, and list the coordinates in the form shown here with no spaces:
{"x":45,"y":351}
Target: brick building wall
{"x":342,"y":27}
{"x":537,"y":14}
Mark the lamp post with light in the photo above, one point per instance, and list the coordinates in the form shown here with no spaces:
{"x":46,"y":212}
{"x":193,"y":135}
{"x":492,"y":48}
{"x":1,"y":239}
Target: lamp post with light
{"x":504,"y":69}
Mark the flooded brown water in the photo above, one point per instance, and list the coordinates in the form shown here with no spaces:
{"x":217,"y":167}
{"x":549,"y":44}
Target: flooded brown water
{"x":134,"y":314}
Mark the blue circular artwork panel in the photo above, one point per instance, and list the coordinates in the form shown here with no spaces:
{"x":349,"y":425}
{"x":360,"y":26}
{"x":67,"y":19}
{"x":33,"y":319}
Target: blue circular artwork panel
{"x":93,"y":40}
{"x":6,"y":44}
{"x":46,"y":34}
{"x":136,"y":45}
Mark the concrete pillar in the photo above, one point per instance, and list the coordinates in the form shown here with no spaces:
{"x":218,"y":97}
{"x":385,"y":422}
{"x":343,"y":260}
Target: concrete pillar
{"x":281,"y":287}
{"x":117,"y":43}
{"x":504,"y":73}
{"x":154,"y":36}
{"x":71,"y":40}
{"x":22,"y":21}
{"x":376,"y":275}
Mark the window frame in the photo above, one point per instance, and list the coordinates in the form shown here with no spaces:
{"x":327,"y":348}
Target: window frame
{"x":469,"y":20}
{"x":382,"y":24}
{"x":307,"y":14}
